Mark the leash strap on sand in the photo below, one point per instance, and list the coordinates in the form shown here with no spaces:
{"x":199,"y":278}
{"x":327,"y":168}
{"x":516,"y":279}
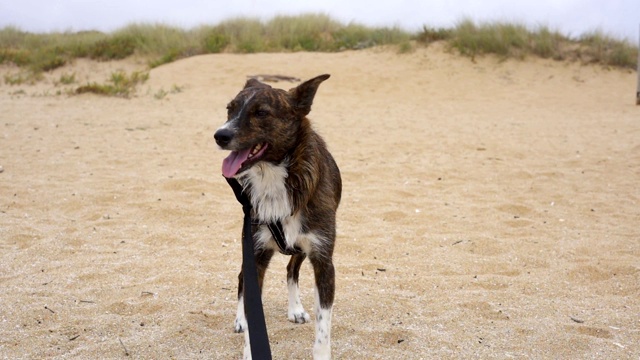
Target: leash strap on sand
{"x":258,"y":337}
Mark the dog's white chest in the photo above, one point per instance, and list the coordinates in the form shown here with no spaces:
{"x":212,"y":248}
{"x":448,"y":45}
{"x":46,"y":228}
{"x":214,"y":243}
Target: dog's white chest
{"x":269,"y":195}
{"x":270,"y":201}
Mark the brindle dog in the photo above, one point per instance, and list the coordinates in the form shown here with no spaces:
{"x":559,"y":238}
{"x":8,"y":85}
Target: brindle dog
{"x":290,"y":177}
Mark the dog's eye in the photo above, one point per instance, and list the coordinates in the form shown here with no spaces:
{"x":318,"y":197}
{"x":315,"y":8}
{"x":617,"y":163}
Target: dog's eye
{"x":262,"y":113}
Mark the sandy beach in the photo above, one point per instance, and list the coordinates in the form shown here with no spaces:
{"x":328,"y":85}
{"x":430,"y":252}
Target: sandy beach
{"x":490,"y":210}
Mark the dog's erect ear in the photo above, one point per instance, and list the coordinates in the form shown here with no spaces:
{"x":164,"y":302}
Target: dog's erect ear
{"x":253,"y":83}
{"x":304,"y":93}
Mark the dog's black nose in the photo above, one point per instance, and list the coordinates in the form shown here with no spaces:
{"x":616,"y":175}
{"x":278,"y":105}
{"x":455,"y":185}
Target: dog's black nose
{"x":223,"y":137}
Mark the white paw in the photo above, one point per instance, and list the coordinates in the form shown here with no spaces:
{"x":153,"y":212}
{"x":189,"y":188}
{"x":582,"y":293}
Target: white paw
{"x":240,"y":325}
{"x":299,"y":316}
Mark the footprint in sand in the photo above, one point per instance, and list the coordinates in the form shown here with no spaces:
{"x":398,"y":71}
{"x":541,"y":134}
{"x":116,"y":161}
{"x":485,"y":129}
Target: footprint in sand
{"x":590,"y":331}
{"x":485,"y":310}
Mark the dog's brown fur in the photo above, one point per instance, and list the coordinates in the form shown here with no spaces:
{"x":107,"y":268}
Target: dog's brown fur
{"x":293,"y":179}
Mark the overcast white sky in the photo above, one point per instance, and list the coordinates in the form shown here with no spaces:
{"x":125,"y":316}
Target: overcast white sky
{"x":620,"y":18}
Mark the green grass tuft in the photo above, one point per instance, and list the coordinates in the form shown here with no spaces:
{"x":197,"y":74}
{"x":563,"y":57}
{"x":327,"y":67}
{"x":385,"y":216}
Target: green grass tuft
{"x":113,"y":48}
{"x":504,"y":40}
{"x":24,"y":77}
{"x":597,"y":47}
{"x":67,"y":79}
{"x":429,"y":35}
{"x":405,"y":47}
{"x":169,"y":57}
{"x":120,"y":84}
{"x":214,"y":42}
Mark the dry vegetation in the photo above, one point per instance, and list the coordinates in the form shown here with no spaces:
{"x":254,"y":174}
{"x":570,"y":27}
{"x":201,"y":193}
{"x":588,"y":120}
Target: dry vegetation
{"x":38,"y":53}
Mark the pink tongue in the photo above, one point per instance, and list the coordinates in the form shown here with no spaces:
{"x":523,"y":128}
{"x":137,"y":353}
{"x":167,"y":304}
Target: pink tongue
{"x":232,"y":163}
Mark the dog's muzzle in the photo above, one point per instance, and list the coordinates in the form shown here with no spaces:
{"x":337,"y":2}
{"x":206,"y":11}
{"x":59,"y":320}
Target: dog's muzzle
{"x":223,"y":137}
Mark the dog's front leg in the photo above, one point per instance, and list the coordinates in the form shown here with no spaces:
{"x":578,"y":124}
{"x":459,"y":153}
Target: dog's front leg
{"x":324,"y":293}
{"x":296,"y":311}
{"x":240,"y":323}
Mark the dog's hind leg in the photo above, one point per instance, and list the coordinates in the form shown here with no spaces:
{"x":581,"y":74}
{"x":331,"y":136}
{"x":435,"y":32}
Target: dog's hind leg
{"x":296,"y":311}
{"x":324,"y":293}
{"x":262,"y":262}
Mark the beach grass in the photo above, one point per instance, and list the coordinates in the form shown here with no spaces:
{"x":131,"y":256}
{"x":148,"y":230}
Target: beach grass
{"x":512,"y":40}
{"x":161,"y":43}
{"x":120,"y":84}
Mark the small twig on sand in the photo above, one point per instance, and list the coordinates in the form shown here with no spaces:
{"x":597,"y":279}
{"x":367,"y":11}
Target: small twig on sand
{"x":126,"y":352}
{"x":87,"y":301}
{"x":53,"y":312}
{"x":75,"y":337}
{"x":576,"y":320}
{"x":273,"y":78}
{"x":147,"y":293}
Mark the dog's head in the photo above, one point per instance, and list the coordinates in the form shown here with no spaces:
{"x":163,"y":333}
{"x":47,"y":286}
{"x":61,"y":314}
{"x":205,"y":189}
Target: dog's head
{"x":262,"y":123}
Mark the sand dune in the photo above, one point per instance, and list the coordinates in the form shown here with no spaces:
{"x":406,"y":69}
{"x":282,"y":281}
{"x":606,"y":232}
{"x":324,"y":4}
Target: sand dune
{"x":490,"y":210}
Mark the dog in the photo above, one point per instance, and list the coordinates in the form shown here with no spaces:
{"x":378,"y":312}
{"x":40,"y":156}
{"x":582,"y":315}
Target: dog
{"x":290,"y":177}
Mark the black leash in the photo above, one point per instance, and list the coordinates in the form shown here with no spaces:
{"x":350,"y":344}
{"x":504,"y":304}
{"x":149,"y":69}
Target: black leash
{"x":258,"y":337}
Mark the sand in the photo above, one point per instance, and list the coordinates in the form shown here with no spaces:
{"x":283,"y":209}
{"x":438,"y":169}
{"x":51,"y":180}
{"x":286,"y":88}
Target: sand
{"x":491,"y":209}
